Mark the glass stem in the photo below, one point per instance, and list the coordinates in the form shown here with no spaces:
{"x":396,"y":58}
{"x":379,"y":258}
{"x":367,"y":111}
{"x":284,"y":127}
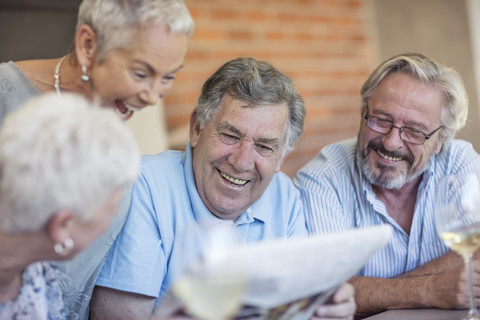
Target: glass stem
{"x":473,"y":313}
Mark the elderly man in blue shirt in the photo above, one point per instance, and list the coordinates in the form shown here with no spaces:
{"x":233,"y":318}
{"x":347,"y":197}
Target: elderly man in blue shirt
{"x":249,"y":115}
{"x":411,"y":109}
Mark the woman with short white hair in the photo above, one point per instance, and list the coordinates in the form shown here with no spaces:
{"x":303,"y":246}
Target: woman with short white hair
{"x":63,"y":167}
{"x":125,"y":56}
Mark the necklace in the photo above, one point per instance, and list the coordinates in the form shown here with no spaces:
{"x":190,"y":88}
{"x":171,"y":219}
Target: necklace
{"x":57,"y":76}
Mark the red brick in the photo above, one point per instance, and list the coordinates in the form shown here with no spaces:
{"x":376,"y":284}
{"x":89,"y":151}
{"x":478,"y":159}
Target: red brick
{"x":325,"y":46}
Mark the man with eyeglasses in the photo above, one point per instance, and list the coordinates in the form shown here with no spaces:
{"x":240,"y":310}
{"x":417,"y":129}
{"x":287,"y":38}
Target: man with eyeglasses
{"x":412,"y":108}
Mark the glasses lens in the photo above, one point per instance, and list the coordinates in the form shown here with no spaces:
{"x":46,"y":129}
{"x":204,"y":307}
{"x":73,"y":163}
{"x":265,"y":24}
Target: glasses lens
{"x":412,"y":136}
{"x":406,"y":134}
{"x":379,"y":125}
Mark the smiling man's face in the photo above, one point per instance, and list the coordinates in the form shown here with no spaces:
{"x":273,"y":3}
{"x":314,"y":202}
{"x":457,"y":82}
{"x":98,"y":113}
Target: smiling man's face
{"x":236,"y":154}
{"x":387,"y":160}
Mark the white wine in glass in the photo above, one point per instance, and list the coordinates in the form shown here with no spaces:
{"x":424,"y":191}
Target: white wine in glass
{"x":457,"y":217}
{"x":210,"y":298}
{"x":213,"y":287}
{"x":464,"y":241}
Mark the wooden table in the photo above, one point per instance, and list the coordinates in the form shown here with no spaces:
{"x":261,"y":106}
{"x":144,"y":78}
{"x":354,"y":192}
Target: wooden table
{"x":420,"y":314}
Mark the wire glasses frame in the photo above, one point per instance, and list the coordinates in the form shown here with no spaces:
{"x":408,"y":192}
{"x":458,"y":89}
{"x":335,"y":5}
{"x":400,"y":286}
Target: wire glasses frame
{"x":407,"y":134}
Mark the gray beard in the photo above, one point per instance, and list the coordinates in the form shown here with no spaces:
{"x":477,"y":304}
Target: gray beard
{"x":395,"y":183}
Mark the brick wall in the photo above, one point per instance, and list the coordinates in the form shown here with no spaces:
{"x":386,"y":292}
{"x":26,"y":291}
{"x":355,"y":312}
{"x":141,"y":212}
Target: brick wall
{"x":326,"y":46}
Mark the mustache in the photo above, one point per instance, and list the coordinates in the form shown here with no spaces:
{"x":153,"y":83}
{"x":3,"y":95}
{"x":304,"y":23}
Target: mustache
{"x":378,"y":146}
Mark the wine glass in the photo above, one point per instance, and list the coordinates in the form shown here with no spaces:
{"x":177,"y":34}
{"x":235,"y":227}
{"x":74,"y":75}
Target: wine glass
{"x":212,"y":288}
{"x":457,"y":217}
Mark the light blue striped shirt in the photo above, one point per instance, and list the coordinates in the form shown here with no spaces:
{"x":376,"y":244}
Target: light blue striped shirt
{"x":336,"y":197}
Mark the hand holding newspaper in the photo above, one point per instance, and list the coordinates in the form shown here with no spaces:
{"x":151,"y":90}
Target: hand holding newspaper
{"x":274,"y":279}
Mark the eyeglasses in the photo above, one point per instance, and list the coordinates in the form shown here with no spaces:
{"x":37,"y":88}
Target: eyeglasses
{"x":407,"y":134}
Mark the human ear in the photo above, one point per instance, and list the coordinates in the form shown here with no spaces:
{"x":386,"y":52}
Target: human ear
{"x":194,"y":129}
{"x":85,"y":45}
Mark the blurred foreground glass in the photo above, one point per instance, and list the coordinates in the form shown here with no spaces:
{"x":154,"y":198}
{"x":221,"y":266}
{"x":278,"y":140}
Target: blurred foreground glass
{"x":457,"y":217}
{"x":211,"y":288}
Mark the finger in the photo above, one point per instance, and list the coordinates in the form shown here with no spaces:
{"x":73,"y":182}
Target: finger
{"x":323,"y":318}
{"x":342,"y":310}
{"x":344,"y":293}
{"x":173,"y":318}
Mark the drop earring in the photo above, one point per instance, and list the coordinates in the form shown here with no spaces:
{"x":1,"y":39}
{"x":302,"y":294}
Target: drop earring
{"x":64,"y":248}
{"x":85,"y":78}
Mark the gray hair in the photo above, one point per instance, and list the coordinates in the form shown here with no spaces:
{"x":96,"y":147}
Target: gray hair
{"x":113,"y":20}
{"x":257,"y":83}
{"x":455,"y":110}
{"x":61,"y":152}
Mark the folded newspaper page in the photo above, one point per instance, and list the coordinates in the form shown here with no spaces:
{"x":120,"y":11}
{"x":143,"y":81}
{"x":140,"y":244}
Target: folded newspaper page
{"x":277,"y":279}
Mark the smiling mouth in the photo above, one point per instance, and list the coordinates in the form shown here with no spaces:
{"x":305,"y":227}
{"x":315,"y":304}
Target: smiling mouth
{"x":124,"y":109}
{"x":383,"y":155}
{"x":237,"y":182}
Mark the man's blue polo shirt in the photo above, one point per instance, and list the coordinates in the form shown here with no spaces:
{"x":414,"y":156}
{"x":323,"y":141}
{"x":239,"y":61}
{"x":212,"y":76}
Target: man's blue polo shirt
{"x":150,"y":250}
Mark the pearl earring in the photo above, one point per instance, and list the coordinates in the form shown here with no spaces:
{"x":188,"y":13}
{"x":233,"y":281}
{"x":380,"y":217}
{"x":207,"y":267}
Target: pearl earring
{"x":85,"y":78}
{"x":64,"y":248}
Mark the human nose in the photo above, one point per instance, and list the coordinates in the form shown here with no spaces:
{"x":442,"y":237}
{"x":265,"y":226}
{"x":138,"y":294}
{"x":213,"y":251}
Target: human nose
{"x":154,"y":93}
{"x":391,"y":140}
{"x":242,"y":157}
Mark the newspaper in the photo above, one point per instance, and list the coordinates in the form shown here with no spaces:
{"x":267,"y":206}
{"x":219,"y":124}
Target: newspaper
{"x":285,"y":279}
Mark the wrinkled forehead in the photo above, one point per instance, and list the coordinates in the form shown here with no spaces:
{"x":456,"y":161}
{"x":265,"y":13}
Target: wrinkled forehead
{"x":259,"y":122}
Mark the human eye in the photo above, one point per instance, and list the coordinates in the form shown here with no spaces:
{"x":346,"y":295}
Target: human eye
{"x":168,"y":78}
{"x":413,"y":134}
{"x":140,"y":74}
{"x":264,"y":149}
{"x":383,"y":123}
{"x":228,"y":138}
